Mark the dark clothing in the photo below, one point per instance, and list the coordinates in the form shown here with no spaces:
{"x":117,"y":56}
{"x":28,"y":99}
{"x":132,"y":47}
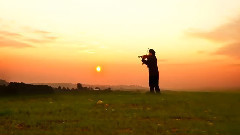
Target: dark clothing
{"x":151,"y":63}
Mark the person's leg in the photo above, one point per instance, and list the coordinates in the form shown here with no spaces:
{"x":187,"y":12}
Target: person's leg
{"x":152,"y":89}
{"x":157,"y":89}
{"x":156,"y":84}
{"x":151,"y":84}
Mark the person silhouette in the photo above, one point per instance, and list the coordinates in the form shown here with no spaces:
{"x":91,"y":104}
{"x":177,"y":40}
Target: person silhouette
{"x":151,"y":61}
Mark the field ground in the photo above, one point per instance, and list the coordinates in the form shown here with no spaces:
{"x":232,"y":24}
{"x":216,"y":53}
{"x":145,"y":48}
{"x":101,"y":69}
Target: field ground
{"x":173,"y":113}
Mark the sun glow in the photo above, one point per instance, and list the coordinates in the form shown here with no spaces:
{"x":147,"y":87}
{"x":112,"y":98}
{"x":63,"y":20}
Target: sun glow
{"x":98,"y":68}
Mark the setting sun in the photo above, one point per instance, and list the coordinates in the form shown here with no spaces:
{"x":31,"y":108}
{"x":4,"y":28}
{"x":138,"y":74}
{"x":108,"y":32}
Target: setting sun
{"x":98,"y":68}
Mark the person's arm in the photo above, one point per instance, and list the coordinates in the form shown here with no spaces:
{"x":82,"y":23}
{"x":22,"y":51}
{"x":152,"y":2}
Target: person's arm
{"x":145,"y":61}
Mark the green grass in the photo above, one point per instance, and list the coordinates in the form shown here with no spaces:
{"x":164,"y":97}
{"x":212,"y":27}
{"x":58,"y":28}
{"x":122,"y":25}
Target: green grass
{"x":173,"y":113}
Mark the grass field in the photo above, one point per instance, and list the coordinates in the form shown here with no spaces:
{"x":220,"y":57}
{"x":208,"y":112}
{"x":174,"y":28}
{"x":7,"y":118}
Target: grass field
{"x":121,"y":113}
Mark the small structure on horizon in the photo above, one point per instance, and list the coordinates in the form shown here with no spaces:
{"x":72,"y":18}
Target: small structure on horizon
{"x":96,"y":88}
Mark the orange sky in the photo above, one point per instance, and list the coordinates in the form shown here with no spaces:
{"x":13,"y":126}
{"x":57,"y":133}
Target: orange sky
{"x":196,"y":42}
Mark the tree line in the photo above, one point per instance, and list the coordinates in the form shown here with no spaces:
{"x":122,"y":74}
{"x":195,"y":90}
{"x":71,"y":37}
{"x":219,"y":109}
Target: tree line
{"x":23,"y":88}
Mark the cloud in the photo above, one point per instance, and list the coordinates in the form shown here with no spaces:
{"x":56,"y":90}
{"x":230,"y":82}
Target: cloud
{"x":234,"y":65}
{"x":228,"y":33}
{"x":51,"y":37}
{"x":24,"y":37}
{"x":41,"y":32}
{"x":41,"y":39}
{"x":12,"y":43}
{"x":232,"y":50}
{"x":9,"y":34}
{"x":42,"y":36}
{"x":33,"y":30}
{"x":39,"y":36}
{"x":36,"y":40}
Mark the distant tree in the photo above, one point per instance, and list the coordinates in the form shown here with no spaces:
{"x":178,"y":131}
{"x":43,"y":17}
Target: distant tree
{"x":22,"y":88}
{"x":109,"y":89}
{"x":64,"y":88}
{"x":79,"y":86}
{"x":59,"y":88}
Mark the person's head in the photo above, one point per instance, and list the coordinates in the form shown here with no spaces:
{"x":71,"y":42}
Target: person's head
{"x":151,"y":52}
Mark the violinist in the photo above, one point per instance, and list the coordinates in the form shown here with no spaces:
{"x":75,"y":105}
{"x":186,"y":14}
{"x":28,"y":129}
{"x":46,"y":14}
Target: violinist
{"x":151,"y":61}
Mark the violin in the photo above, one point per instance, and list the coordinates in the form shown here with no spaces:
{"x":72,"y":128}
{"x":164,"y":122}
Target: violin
{"x":144,"y":56}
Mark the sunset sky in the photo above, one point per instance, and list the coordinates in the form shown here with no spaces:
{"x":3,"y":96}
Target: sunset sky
{"x":197,"y":42}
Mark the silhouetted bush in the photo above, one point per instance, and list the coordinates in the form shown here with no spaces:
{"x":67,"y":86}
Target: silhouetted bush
{"x":22,"y":88}
{"x":3,"y":89}
{"x":14,"y":88}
